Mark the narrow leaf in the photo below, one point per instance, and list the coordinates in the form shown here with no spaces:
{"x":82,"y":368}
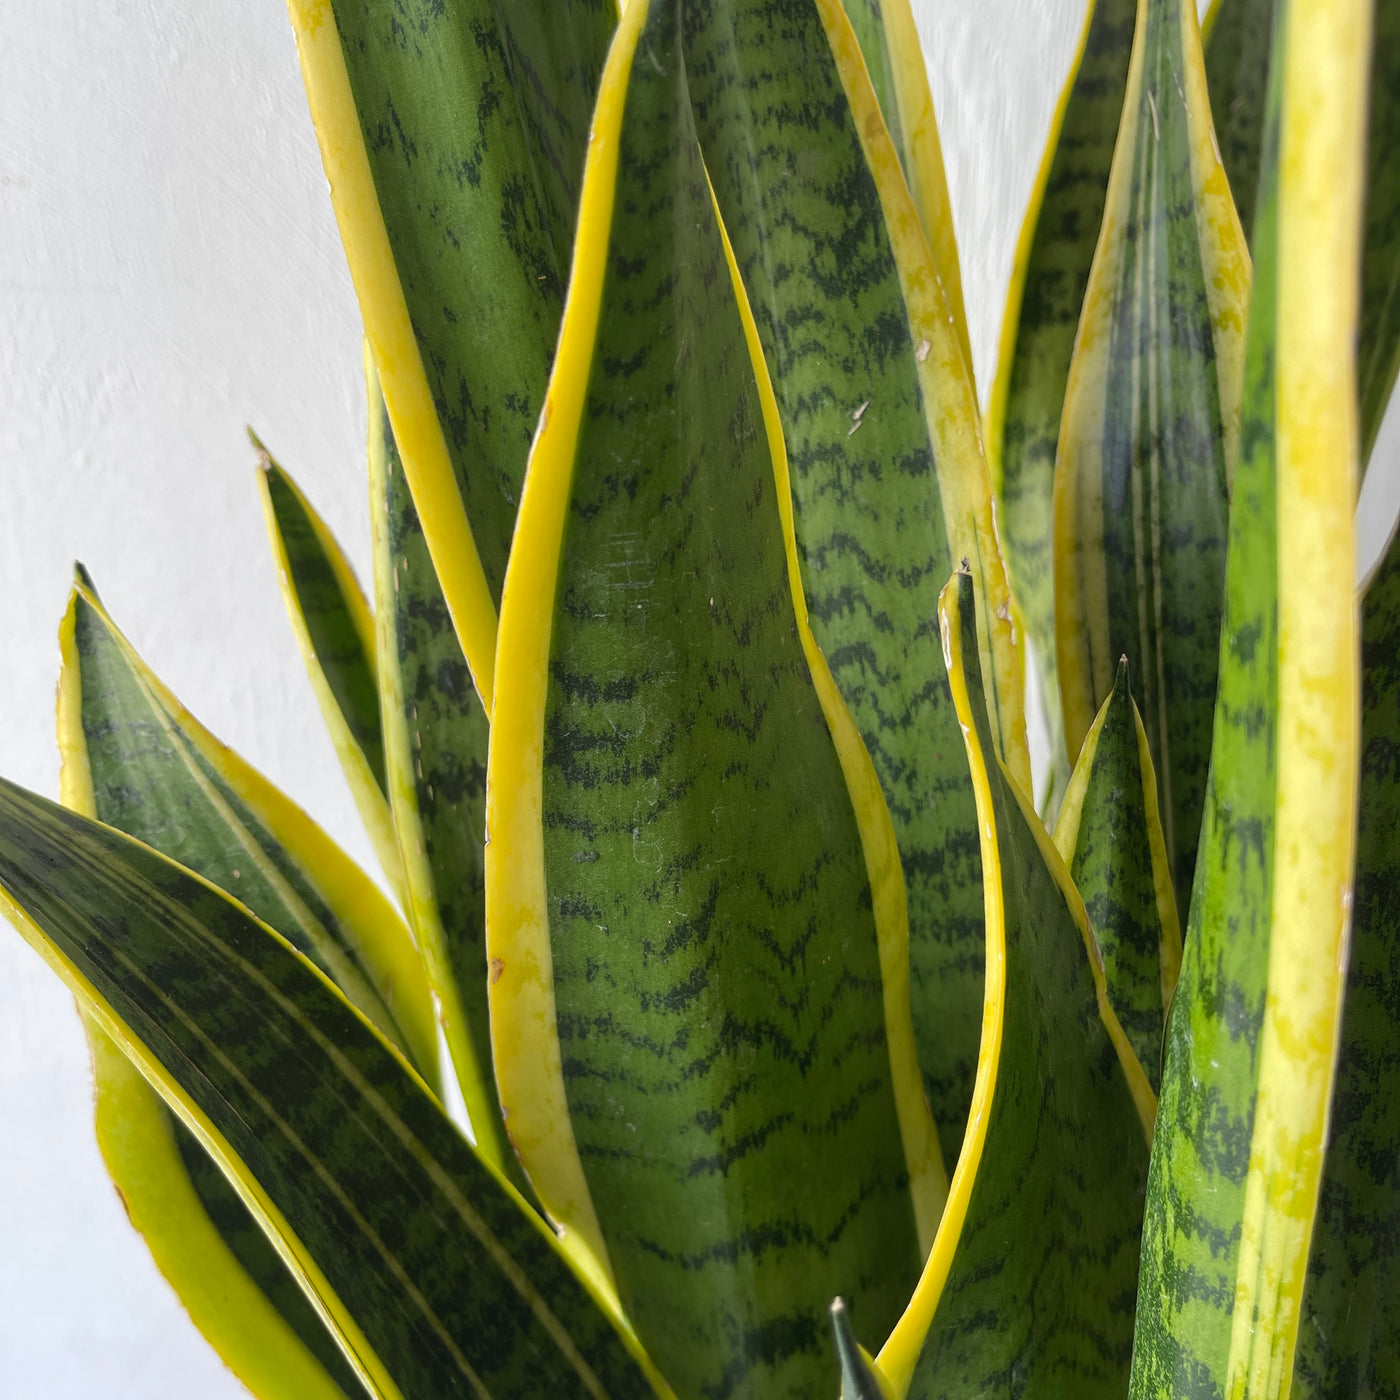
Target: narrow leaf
{"x":435,"y":734}
{"x":702,"y":1035}
{"x":335,"y":632}
{"x":1237,"y":74}
{"x":436,"y":1277}
{"x":1029,"y":1288}
{"x":453,"y":138}
{"x":1252,"y":1032}
{"x":894,"y":59}
{"x":1150,"y":429}
{"x":1110,"y":836}
{"x":136,"y":759}
{"x":888,"y":482}
{"x":860,"y":1379}
{"x":245,"y":1302}
{"x":1048,"y":282}
{"x":1351,"y":1302}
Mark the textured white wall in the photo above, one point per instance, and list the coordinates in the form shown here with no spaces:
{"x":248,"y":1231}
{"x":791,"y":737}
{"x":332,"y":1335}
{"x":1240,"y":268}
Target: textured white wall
{"x":169,"y":271}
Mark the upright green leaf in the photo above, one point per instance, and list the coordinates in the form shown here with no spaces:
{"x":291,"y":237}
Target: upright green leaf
{"x":1237,"y":45}
{"x":1029,"y":1289}
{"x":134,"y":758}
{"x":225,"y":1271}
{"x":1110,"y":836}
{"x":888,"y":482}
{"x":894,"y":59}
{"x":1351,"y":1303}
{"x":1150,"y":428}
{"x":435,"y":1276}
{"x":435,"y":734}
{"x":453,"y":137}
{"x":335,"y":632}
{"x":704,"y":1061}
{"x":1048,"y":282}
{"x":1252,"y":1031}
{"x":859,"y":1378}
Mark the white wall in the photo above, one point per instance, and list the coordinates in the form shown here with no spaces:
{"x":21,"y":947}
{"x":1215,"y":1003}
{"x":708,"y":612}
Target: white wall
{"x":169,"y":271}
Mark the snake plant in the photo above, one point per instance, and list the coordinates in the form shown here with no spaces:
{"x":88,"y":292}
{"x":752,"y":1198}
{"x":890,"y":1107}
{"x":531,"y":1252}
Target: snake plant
{"x":801,"y":1053}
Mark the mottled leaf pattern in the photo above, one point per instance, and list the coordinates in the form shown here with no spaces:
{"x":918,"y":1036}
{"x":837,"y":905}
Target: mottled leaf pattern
{"x":882,"y":494}
{"x":1029,"y":1289}
{"x":438,"y":1279}
{"x":1110,"y":836}
{"x":1048,"y":282}
{"x":336,"y":634}
{"x":1351,"y":1305}
{"x":1149,"y":431}
{"x":1252,"y":1032}
{"x":135,"y":759}
{"x":435,"y":733}
{"x":1237,"y":44}
{"x":723,"y":1053}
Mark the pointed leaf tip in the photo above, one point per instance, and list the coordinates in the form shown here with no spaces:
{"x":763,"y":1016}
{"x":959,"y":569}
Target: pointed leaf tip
{"x":859,"y":1379}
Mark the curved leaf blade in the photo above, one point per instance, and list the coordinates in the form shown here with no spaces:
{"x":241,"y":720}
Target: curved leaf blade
{"x":1252,"y":1033}
{"x":435,"y":741}
{"x":1351,"y":1301}
{"x":136,"y":759}
{"x":1030,"y":1283}
{"x":436,"y":1277}
{"x":246,"y":1304}
{"x":1237,"y":47}
{"x":888,"y":485}
{"x":335,"y":633}
{"x":1149,"y":432}
{"x":1048,"y":281}
{"x":1109,"y":834}
{"x":719,"y":1002}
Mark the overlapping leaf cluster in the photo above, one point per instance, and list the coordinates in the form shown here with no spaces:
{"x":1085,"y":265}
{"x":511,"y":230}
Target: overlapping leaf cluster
{"x":687,"y":725}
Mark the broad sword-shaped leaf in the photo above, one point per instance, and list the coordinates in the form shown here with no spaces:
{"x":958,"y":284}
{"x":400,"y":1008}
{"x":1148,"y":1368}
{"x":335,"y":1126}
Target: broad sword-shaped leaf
{"x":335,"y":632}
{"x":453,"y":138}
{"x":1351,"y":1302}
{"x":1109,"y":834}
{"x":889,"y":485}
{"x":434,"y":1275}
{"x":698,"y":965}
{"x":1048,"y":281}
{"x":1029,"y":1288}
{"x":1149,"y":433}
{"x":1252,"y":1032}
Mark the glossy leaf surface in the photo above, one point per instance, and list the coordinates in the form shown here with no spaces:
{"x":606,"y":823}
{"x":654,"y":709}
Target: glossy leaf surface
{"x":1109,"y":834}
{"x":435,"y":733}
{"x":1048,"y":282}
{"x":227,"y":1274}
{"x":136,"y":759}
{"x":1252,"y":1032}
{"x":453,"y":138}
{"x":888,"y":483}
{"x":1149,"y":433}
{"x":336,"y":635}
{"x":438,"y":1279}
{"x":711,"y":1105}
{"x":1030,"y":1285}
{"x":1351,"y":1304}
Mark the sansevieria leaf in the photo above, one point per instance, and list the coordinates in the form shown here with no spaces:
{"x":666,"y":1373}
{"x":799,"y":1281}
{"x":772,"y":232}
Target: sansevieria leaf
{"x":335,"y":632}
{"x":894,"y":61}
{"x":1048,"y":280}
{"x":1150,"y":428}
{"x":889,"y":485}
{"x":240,"y":1295}
{"x":1109,"y":834}
{"x":453,"y":137}
{"x":1252,"y":1032}
{"x":134,"y":758}
{"x":435,"y":734}
{"x":860,"y":1380}
{"x":1238,"y":35}
{"x":1351,"y":1303}
{"x":1029,"y":1288}
{"x":435,"y":1276}
{"x":701,"y":1032}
